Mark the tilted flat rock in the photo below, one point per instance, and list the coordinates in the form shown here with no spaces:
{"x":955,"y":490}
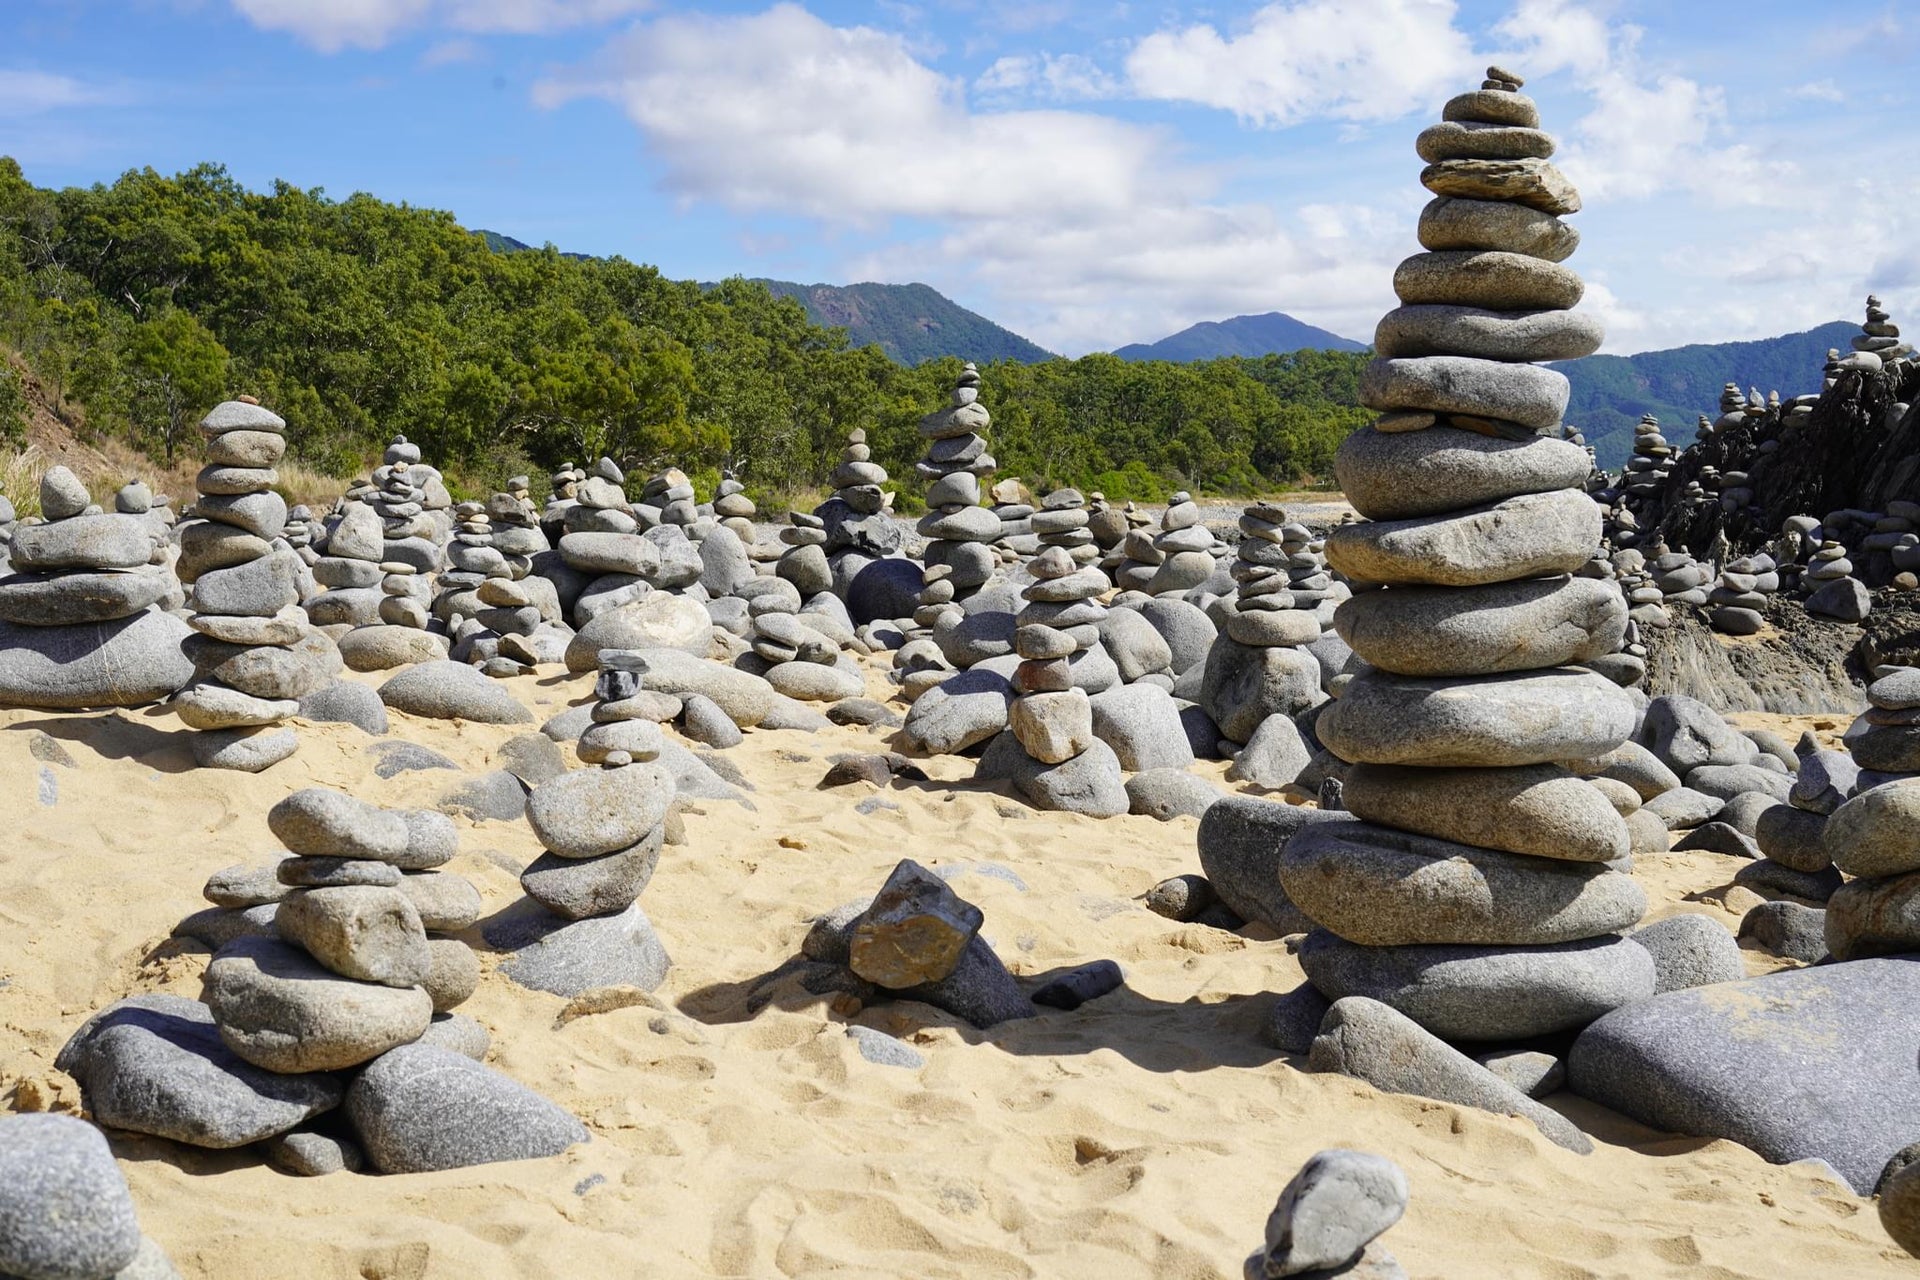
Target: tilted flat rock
{"x":1527,"y":394}
{"x":1487,"y":278}
{"x":1380,"y":888}
{"x":452,"y":691}
{"x":1396,"y":475}
{"x":1504,"y":626}
{"x":1800,"y":1064}
{"x":1240,"y":841}
{"x":1533,"y":717}
{"x":1522,"y":537}
{"x":1442,"y":329}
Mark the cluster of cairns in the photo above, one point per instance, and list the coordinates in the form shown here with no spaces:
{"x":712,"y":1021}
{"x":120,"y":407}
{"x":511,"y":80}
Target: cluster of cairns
{"x":499,"y":613}
{"x":959,"y":553}
{"x":85,"y":609}
{"x":858,"y":518}
{"x":255,"y":651}
{"x":602,"y":827}
{"x":324,"y":1037}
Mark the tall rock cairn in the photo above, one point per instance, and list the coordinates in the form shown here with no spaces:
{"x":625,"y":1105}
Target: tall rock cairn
{"x":960,"y":532}
{"x":256,"y":652}
{"x":1474,"y":851}
{"x":1879,"y":343}
{"x":1187,"y":545}
{"x":858,"y":517}
{"x":1280,"y":578}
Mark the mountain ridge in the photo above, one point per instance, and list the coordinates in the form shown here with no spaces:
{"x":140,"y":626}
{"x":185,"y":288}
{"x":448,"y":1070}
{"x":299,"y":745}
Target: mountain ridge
{"x":1269,"y":333}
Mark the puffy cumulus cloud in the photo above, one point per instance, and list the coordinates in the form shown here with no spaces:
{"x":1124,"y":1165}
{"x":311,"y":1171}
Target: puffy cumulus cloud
{"x":1360,"y":60}
{"x":1079,"y":229}
{"x":27,"y":93}
{"x":333,"y":25}
{"x":1647,"y":132}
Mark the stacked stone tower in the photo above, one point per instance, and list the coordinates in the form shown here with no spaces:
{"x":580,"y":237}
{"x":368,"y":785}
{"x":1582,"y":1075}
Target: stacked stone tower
{"x":960,"y":531}
{"x":1475,"y":853}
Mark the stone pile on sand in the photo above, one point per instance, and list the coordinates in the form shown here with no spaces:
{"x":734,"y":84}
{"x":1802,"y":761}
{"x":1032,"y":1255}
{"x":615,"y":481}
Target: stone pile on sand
{"x":960,"y":532}
{"x":83,"y":619}
{"x":1187,"y":549}
{"x":1483,"y":891}
{"x":603,"y":827}
{"x":1273,"y":555}
{"x":333,"y":993}
{"x":256,"y":652}
{"x":1061,"y":522}
{"x":669,"y":492}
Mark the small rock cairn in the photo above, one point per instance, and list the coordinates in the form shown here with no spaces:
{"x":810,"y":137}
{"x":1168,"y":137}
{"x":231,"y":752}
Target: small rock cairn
{"x":669,"y":492}
{"x":1188,"y":548}
{"x":253,"y":634}
{"x":734,"y":508}
{"x":1015,"y":514}
{"x":1106,"y":522}
{"x":1474,"y":850}
{"x":1061,"y":522}
{"x":1061,"y":765}
{"x":602,"y":828}
{"x":414,"y":508}
{"x":1283,"y":586}
{"x":1879,"y":343}
{"x":1737,"y":605}
{"x":83,"y":609}
{"x":960,"y":532}
{"x":858,"y":517}
{"x":1646,"y":470}
{"x":562,"y":486}
{"x":804,"y":562}
{"x":1136,"y":559}
{"x":338,"y":963}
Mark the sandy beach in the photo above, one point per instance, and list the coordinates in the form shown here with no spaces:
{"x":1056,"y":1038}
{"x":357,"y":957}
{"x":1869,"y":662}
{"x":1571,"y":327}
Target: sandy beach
{"x":736,"y":1129}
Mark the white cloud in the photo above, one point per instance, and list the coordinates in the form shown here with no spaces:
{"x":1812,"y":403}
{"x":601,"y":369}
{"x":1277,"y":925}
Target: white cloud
{"x":1818,"y":91}
{"x":1342,"y":59}
{"x":26,"y":93}
{"x":1084,"y":230}
{"x":333,"y":25}
{"x":1067,"y":77}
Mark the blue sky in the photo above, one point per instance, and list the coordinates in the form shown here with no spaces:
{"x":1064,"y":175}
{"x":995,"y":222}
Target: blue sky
{"x":1088,"y":174}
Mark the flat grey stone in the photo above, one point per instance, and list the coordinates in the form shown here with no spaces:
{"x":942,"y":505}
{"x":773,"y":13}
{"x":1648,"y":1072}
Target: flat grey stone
{"x":156,"y":1064}
{"x":1790,"y":930}
{"x":1523,"y":537}
{"x":1430,"y":329}
{"x":1369,"y":1041}
{"x":576,"y":888}
{"x":1800,"y":1064}
{"x":1525,"y":393}
{"x":1683,"y":808}
{"x":243,"y":750}
{"x":344,"y":702}
{"x":567,"y":957}
{"x":1380,"y":887}
{"x":1540,"y":810}
{"x":217,"y":926}
{"x":962,"y":711}
{"x":1467,"y":631}
{"x":69,"y":599}
{"x":320,"y":822}
{"x":884,"y":1050}
{"x":64,"y":1207}
{"x":266,"y":671}
{"x":123,"y":663}
{"x":1485,"y":993}
{"x":584,"y":813}
{"x":1534,"y":717}
{"x":396,"y":758}
{"x":1167,"y":794}
{"x":418,"y":1109}
{"x":1401,"y":475}
{"x":1726,"y":781}
{"x":1240,"y":842}
{"x":1769,"y":878}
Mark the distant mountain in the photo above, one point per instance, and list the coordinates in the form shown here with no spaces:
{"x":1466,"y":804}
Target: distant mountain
{"x":1611,"y":392}
{"x":912,"y":323}
{"x":507,"y":244}
{"x":1274,"y":333}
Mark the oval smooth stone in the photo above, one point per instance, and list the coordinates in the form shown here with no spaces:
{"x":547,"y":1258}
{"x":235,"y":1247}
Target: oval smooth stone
{"x":1877,"y":833}
{"x":1534,"y":717}
{"x":1525,"y":393}
{"x":1487,"y":278}
{"x":1398,"y":474}
{"x":1439,"y":329}
{"x":1473,"y":140}
{"x":1492,"y":106}
{"x":1451,"y":223}
{"x":1466,"y":631}
{"x":1486,"y":993}
{"x":1527,"y":536}
{"x":1540,"y":810}
{"x":1384,"y":888}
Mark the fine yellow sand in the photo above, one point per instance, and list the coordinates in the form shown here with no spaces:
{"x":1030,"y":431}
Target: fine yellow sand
{"x":737,"y":1132}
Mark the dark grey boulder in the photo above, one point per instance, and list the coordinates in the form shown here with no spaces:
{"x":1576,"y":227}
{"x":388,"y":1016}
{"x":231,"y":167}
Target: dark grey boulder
{"x":979,"y":990}
{"x":156,"y":1064}
{"x":1803,"y":1064}
{"x":884,"y":589}
{"x":1793,"y":836}
{"x":1485,"y":993}
{"x":345,"y":702}
{"x":122,"y":663}
{"x":1790,"y":930}
{"x":418,"y":1109}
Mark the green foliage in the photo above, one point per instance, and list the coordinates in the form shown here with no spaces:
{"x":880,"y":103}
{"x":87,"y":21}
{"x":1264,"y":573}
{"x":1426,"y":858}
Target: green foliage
{"x":1609,"y":393}
{"x":148,"y":299}
{"x":13,"y":408}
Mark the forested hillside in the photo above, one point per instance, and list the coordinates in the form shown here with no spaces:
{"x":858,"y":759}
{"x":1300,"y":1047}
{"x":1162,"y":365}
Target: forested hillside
{"x":139,"y":304}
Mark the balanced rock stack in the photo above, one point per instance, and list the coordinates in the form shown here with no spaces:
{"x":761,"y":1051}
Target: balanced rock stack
{"x":734,"y":508}
{"x":1189,"y":547}
{"x":1738,"y":602}
{"x":1879,"y":341}
{"x":669,"y":492}
{"x":414,"y":508}
{"x":82,"y":614}
{"x":1106,"y":522}
{"x":1012,"y":505}
{"x":299,"y":534}
{"x":1646,"y":471}
{"x":1834,"y":591}
{"x":349,"y":570}
{"x":563,"y":486}
{"x":858,"y":517}
{"x":804,"y":562}
{"x":1135,"y":560}
{"x":602,"y":828}
{"x":400,"y":637}
{"x":1049,"y":751}
{"x":1276,"y":559}
{"x":1474,"y":851}
{"x":1061,"y":522}
{"x":345,"y":973}
{"x":256,"y":653}
{"x":506,"y":619}
{"x":960,"y":532}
